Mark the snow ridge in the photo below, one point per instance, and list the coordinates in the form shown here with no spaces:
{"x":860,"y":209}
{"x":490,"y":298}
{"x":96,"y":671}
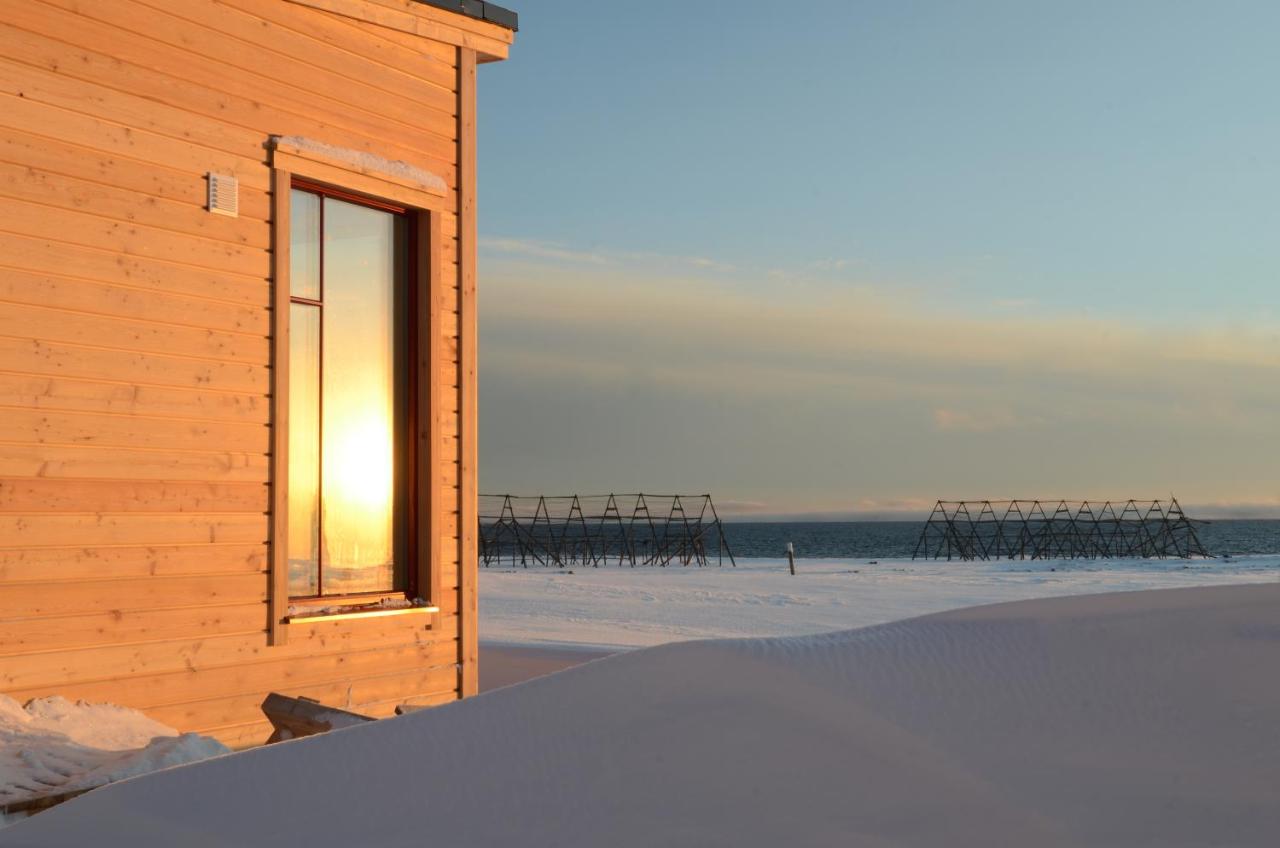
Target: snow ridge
{"x":1127,"y":719}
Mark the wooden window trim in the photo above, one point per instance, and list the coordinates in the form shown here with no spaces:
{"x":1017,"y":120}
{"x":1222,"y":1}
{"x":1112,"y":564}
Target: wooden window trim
{"x":427,"y":491}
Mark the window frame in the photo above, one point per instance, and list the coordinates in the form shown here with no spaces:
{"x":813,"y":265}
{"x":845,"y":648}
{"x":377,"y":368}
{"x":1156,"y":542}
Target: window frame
{"x":405,"y":453}
{"x":423,"y":205}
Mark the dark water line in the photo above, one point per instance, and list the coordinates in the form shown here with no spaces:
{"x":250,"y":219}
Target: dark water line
{"x":897,"y":539}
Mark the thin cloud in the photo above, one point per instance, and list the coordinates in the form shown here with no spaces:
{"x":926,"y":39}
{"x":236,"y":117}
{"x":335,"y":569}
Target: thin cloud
{"x":711,"y":264}
{"x":811,"y":396}
{"x":833,"y":329}
{"x":541,"y":250}
{"x":980,"y":421}
{"x":1013,"y":303}
{"x":830,"y":264}
{"x":663,"y":262}
{"x":555,"y":251}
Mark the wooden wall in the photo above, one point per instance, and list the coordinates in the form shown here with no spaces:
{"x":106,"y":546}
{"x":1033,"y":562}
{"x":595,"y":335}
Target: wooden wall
{"x":134,"y":350}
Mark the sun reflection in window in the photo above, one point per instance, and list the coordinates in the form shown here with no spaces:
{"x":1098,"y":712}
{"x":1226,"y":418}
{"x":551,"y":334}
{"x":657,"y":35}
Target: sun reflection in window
{"x":343,"y":435}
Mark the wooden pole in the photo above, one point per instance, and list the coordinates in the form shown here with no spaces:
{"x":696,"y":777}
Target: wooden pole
{"x":791,"y":557}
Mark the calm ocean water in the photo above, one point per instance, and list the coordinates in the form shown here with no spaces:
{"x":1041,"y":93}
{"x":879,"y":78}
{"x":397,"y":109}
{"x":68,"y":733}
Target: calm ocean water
{"x":897,"y":539}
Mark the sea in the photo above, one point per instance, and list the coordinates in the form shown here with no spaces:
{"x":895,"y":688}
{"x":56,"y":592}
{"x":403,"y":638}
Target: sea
{"x":897,"y":539}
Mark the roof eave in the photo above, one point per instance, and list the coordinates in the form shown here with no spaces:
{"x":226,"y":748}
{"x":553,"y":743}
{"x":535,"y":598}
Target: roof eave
{"x":481,"y":10}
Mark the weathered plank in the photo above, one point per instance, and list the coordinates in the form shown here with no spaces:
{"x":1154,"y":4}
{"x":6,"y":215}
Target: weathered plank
{"x":426,"y":61}
{"x":128,"y":431}
{"x":235,"y":666}
{"x":247,"y":105}
{"x":55,"y":324}
{"x":106,"y":462}
{"x":121,"y":300}
{"x":36,"y":220}
{"x":35,"y":495}
{"x":35,"y":531}
{"x":381,"y":692}
{"x":56,"y":564}
{"x":109,"y":133}
{"x":115,"y":627}
{"x":110,"y":169}
{"x":55,"y":258}
{"x":23,"y":181}
{"x":38,"y":392}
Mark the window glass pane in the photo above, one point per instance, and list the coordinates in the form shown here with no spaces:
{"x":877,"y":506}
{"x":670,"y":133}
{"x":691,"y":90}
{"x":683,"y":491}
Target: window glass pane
{"x":304,"y":449}
{"x":361,"y":249}
{"x":304,"y":244}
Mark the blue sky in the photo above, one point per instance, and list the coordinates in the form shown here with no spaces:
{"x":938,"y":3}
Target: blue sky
{"x":850,"y":257}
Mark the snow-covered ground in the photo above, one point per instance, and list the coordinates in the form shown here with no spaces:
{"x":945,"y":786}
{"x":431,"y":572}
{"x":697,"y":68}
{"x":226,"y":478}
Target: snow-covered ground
{"x":56,"y":746}
{"x":614,"y":607}
{"x":1121,"y":719}
{"x":1131,"y":719}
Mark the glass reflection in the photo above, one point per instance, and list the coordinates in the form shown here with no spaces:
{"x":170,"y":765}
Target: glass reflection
{"x":360,"y":270}
{"x":304,"y":449}
{"x":304,"y":245}
{"x":348,"y":398}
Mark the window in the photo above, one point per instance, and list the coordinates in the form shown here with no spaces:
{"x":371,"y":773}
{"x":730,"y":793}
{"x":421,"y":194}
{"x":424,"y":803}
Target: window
{"x":358,"y":410}
{"x":350,"y":415}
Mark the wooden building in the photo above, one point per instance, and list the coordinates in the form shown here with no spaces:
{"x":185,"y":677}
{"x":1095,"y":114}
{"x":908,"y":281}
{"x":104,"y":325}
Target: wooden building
{"x":238,"y":353}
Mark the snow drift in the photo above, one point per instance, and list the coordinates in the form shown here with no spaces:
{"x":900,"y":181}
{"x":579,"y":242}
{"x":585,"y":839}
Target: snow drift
{"x":1128,"y":719}
{"x":54,"y":746}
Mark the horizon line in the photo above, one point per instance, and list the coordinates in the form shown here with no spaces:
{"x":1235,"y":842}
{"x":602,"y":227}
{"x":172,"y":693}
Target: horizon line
{"x":1218,"y":512}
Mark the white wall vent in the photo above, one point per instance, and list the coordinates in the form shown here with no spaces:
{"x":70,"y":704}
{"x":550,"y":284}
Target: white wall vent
{"x":224,"y":195}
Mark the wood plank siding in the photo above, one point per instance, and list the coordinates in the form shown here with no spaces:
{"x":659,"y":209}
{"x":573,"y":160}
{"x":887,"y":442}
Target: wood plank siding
{"x":137,"y":357}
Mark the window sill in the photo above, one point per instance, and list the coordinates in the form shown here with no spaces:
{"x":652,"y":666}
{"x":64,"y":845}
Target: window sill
{"x":341,"y":615}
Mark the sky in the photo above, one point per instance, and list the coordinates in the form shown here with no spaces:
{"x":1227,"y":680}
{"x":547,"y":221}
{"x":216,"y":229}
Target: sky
{"x":846,"y":258}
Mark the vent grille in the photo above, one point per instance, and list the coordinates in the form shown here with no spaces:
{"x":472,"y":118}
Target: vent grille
{"x":224,"y":195}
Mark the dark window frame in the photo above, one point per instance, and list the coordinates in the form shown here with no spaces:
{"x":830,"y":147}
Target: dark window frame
{"x":406,"y":460}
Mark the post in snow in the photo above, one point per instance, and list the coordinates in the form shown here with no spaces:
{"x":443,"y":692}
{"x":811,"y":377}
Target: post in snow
{"x":791,"y":557}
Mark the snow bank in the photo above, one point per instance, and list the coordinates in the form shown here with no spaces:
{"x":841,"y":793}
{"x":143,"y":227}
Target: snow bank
{"x":1130,"y":719}
{"x":615,"y":607}
{"x":53,"y":746}
{"x":103,"y":726}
